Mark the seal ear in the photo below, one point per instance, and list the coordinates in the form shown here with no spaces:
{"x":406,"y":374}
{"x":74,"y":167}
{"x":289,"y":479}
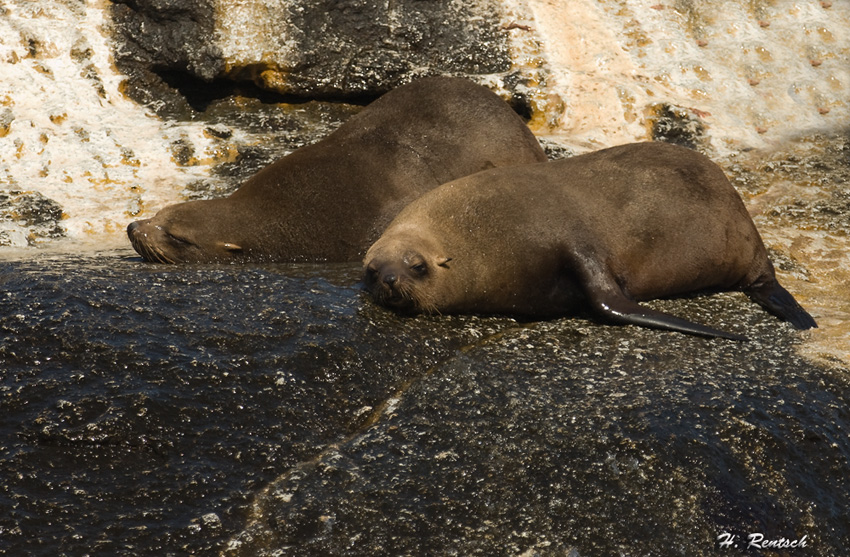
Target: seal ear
{"x":443,"y":261}
{"x":230,"y":247}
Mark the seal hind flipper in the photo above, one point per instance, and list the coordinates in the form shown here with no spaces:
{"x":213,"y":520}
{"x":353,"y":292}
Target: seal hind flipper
{"x":774,"y":298}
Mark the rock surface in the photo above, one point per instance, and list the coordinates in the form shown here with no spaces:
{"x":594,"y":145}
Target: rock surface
{"x":26,"y":216}
{"x":339,"y":50}
{"x":274,"y":410}
{"x":562,"y":439}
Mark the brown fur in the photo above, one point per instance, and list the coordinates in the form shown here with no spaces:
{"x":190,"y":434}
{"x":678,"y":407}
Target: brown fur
{"x":330,"y":200}
{"x":609,"y":228}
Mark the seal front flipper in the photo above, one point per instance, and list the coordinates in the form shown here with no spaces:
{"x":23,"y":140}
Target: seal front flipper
{"x":608,"y":299}
{"x":623,"y":310}
{"x":778,"y":301}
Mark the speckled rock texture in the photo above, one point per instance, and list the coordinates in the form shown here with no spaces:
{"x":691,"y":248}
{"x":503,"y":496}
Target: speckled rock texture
{"x":339,"y":50}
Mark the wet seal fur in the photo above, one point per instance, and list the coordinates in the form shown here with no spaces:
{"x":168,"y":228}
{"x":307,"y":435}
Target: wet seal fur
{"x":329,"y":201}
{"x":604,"y":230}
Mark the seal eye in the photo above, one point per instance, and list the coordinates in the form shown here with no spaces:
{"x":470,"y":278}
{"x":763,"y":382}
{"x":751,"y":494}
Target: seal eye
{"x":178,"y":239}
{"x":371,"y":274}
{"x":420,"y":269}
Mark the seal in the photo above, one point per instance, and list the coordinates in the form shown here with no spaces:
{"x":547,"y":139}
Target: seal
{"x":330,"y":200}
{"x":602,"y":231}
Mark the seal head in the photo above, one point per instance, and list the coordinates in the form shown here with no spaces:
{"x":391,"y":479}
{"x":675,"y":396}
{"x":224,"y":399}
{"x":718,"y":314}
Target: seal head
{"x":404,"y":278}
{"x":165,"y":239}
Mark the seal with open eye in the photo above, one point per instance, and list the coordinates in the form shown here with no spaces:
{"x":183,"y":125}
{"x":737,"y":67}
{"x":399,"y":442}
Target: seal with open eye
{"x":330,"y":200}
{"x":603,"y":230}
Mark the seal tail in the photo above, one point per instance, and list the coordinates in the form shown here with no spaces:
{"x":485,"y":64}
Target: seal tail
{"x":778,"y":301}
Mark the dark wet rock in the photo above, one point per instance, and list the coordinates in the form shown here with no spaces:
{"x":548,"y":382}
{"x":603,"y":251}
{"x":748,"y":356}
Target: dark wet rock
{"x":554,"y":150}
{"x":274,"y":129}
{"x":275,"y":410}
{"x":676,"y":124}
{"x":523,"y":87}
{"x":183,"y":152}
{"x":565,"y":437}
{"x":156,"y":35}
{"x":138,"y":399}
{"x":27,"y":217}
{"x":342,"y":50}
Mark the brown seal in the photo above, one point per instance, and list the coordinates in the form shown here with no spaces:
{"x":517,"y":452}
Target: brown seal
{"x":330,"y":200}
{"x":606,"y":229}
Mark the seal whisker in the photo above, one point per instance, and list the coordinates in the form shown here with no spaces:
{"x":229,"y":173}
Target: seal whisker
{"x":426,"y":303}
{"x":149,"y":252}
{"x":145,"y":251}
{"x":162,"y":257}
{"x":155,"y":254}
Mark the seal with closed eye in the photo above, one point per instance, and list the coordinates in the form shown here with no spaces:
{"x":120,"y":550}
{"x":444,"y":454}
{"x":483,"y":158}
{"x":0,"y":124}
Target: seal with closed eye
{"x":604,"y":230}
{"x":330,"y":200}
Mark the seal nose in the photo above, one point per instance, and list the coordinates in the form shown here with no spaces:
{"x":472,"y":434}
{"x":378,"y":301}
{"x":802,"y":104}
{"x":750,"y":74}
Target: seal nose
{"x":134,"y":226}
{"x":390,"y":279}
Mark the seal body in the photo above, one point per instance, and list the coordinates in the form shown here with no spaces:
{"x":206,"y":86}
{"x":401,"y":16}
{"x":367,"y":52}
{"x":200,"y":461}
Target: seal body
{"x":603,"y":230}
{"x":330,"y":200}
